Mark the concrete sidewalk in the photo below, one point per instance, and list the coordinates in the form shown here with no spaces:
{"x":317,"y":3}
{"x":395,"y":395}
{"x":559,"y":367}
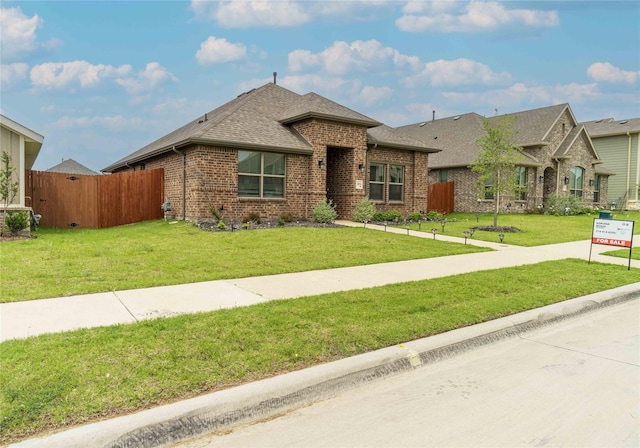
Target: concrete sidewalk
{"x":34,"y":317}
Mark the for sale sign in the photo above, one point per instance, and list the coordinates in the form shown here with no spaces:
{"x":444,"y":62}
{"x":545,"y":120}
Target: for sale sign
{"x":612,"y":232}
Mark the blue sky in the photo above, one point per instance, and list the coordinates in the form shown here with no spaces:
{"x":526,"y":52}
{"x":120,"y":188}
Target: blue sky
{"x":101,"y":79}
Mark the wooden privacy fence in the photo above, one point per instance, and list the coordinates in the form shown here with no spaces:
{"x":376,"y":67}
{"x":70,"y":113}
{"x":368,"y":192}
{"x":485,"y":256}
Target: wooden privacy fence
{"x":95,"y":202}
{"x":441,"y":197}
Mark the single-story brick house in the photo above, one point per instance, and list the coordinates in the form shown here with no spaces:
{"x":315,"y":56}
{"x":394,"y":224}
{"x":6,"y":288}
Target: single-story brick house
{"x":558,"y":157}
{"x":272,"y":151}
{"x":618,"y":144}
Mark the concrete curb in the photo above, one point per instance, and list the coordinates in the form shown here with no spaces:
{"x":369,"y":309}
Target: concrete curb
{"x":267,"y":398}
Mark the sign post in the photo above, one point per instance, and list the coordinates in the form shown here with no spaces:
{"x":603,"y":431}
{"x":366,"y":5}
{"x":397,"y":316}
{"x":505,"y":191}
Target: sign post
{"x":612,"y":232}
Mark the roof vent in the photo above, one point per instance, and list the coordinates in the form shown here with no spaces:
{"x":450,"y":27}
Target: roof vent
{"x":456,"y":118}
{"x":422,"y":124}
{"x":435,"y":138}
{"x":598,"y":121}
{"x":624,"y":122}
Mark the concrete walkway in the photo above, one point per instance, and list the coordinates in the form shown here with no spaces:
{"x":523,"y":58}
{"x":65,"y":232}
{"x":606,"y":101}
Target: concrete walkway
{"x":34,"y":317}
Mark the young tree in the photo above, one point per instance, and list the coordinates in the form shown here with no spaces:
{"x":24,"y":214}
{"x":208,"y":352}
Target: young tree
{"x":496,"y":162}
{"x":8,"y":186}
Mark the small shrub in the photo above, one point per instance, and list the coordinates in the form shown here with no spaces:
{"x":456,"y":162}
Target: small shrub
{"x":415,"y":216}
{"x":281,"y":222}
{"x":379,"y":217}
{"x":252,"y":217}
{"x":561,"y":205}
{"x":364,"y":211}
{"x":215,"y":213}
{"x":245,"y":226}
{"x":324,"y":212}
{"x":435,"y":216}
{"x":287,"y":217}
{"x":16,"y":220}
{"x":221,"y":225}
{"x":394,"y":215}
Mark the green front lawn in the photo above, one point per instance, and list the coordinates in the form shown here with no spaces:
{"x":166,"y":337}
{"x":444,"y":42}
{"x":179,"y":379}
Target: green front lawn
{"x":55,"y":381}
{"x":63,"y":262}
{"x":536,"y":230}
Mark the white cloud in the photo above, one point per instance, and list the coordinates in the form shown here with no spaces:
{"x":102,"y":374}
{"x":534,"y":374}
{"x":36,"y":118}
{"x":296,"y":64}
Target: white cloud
{"x":606,"y":72}
{"x":63,"y":74}
{"x":285,"y":13}
{"x":113,"y":123}
{"x":359,"y":56}
{"x":473,"y":17}
{"x":12,"y":73}
{"x":370,"y":95}
{"x":218,"y":50}
{"x":457,"y":72}
{"x":153,"y":75}
{"x":246,"y":14}
{"x":18,"y":34}
{"x":520,"y":94}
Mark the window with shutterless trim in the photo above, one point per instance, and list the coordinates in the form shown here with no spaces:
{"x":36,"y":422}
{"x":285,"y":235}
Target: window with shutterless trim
{"x":261,"y":174}
{"x":376,"y":181}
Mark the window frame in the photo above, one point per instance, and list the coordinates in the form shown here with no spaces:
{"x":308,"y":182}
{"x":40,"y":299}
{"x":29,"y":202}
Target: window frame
{"x":377,"y":182}
{"x":573,"y":178}
{"x":488,"y":194}
{"x":522,"y":174}
{"x":396,"y":184}
{"x":261,"y":176}
{"x":596,"y":188}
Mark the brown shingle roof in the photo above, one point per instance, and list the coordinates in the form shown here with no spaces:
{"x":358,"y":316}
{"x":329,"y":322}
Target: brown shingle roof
{"x":457,"y":136}
{"x":608,"y":126}
{"x":316,"y":106}
{"x":253,"y":120}
{"x":386,"y":136}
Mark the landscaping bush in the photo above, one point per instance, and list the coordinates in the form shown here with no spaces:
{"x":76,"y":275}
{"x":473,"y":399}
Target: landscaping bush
{"x":560,"y":205}
{"x":287,"y":217}
{"x":434,"y":216}
{"x":16,"y":221}
{"x":394,"y":215}
{"x":415,"y":216}
{"x":324,"y":212}
{"x":364,"y":211}
{"x":252,"y":217}
{"x":379,"y":217}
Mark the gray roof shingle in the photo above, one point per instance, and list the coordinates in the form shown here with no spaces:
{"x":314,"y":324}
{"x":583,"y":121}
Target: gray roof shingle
{"x":70,"y":166}
{"x":457,"y":136}
{"x":608,"y":126}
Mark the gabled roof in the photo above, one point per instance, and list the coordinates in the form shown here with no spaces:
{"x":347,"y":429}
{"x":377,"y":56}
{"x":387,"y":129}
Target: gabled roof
{"x":391,"y":138}
{"x":563,"y":150}
{"x":70,"y":166}
{"x":256,"y":120}
{"x":33,"y":140}
{"x":457,"y":136}
{"x":608,"y":126}
{"x":313,"y":105}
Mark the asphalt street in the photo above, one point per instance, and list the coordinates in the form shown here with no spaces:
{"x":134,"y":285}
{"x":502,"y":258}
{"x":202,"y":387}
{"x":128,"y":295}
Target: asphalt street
{"x":573,"y":383}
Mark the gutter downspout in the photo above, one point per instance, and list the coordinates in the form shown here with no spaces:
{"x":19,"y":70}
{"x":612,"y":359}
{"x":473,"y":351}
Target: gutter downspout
{"x":637,"y":162}
{"x":184,"y":182}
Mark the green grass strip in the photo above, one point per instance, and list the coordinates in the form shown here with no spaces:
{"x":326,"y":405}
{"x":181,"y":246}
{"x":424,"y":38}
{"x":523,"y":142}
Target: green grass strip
{"x":64,"y":262}
{"x":54,"y":381}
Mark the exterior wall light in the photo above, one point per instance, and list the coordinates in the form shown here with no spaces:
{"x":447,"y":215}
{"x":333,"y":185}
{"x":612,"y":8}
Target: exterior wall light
{"x":566,"y":181}
{"x":321,"y":163}
{"x":360,"y":166}
{"x":591,"y":182}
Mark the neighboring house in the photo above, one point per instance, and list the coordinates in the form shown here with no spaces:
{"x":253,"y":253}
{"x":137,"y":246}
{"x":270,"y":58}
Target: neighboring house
{"x":618,"y":145}
{"x":70,"y":166}
{"x":23,"y":145}
{"x":272,"y":152}
{"x":558,"y":157}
